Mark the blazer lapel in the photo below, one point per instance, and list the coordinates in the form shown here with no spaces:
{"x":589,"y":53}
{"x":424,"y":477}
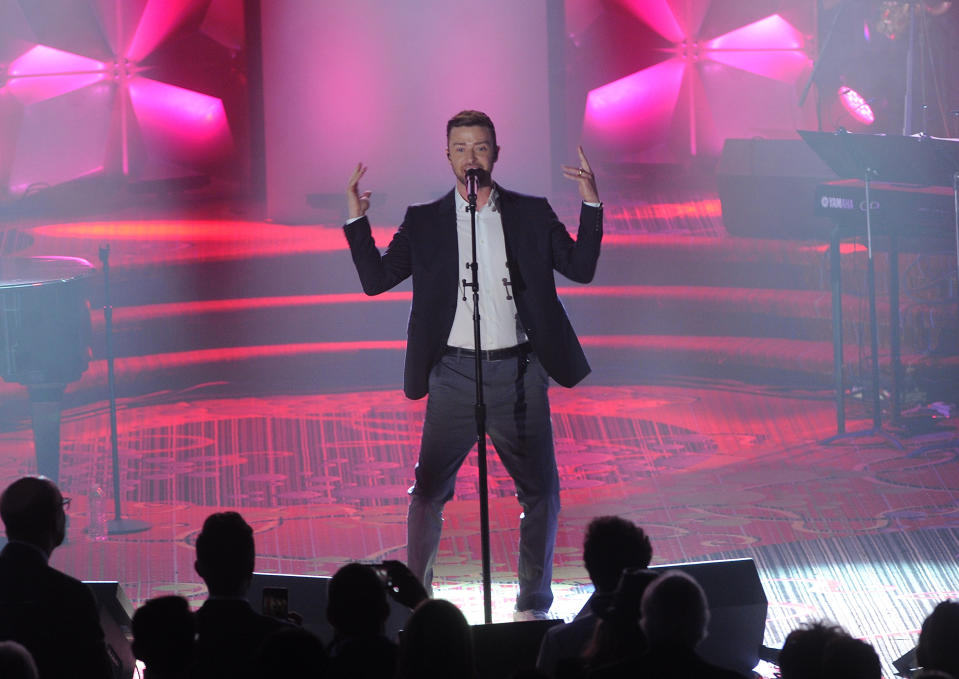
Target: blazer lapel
{"x":512,"y":235}
{"x":446,"y":243}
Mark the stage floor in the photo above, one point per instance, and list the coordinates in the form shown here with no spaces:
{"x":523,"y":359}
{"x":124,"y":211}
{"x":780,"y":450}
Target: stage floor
{"x":253,"y":376}
{"x":857,"y":532}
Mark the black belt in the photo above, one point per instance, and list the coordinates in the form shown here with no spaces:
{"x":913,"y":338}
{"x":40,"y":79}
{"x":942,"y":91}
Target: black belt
{"x":491,"y":354}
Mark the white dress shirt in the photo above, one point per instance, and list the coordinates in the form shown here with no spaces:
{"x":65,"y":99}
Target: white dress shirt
{"x":499,"y":326}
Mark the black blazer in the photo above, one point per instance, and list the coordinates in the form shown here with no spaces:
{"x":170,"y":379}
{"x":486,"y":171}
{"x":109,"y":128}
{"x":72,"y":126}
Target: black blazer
{"x":52,"y":614}
{"x":229,"y":636}
{"x":537,"y":243}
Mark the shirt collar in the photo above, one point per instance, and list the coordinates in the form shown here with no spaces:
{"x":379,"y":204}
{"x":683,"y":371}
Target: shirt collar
{"x":462,"y":205}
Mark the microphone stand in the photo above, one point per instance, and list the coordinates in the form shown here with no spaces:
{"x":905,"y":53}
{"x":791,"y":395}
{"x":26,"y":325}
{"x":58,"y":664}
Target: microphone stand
{"x":117,"y":525}
{"x":480,"y":408}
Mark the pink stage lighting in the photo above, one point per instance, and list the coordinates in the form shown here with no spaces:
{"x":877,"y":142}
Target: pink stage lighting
{"x":43,"y":72}
{"x":68,"y":115}
{"x":856,"y":105}
{"x":727,"y":70}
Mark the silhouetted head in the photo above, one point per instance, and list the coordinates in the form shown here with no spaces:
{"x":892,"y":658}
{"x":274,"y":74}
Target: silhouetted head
{"x":437,"y":643}
{"x":674,"y":611}
{"x":16,"y":662}
{"x":847,"y":658}
{"x":356,"y":602}
{"x":931,"y":674}
{"x":163,"y":635}
{"x":802,"y":653}
{"x":612,"y":544}
{"x":32,"y":510}
{"x":937,"y":649}
{"x":225,"y":554}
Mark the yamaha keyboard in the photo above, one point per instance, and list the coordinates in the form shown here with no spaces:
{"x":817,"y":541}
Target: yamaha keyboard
{"x":913,"y":190}
{"x":903,"y":207}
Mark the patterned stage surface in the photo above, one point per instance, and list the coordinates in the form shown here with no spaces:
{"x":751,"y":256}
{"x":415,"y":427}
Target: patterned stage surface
{"x":858,"y":531}
{"x":253,"y":376}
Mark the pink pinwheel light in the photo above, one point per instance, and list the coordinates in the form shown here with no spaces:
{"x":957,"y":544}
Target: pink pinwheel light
{"x":67,"y":115}
{"x":708,"y":84}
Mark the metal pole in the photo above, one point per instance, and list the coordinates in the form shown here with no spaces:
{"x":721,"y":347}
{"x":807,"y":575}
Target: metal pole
{"x":480,"y":414}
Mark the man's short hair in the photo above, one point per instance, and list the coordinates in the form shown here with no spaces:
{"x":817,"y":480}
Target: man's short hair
{"x":802,"y":652}
{"x":16,"y":662}
{"x":674,"y":611}
{"x":30,"y":507}
{"x":469,"y":118}
{"x":226,"y":551}
{"x":937,"y":641}
{"x":611,"y":545}
{"x":163,"y":634}
{"x":356,"y":601}
{"x":848,"y":658}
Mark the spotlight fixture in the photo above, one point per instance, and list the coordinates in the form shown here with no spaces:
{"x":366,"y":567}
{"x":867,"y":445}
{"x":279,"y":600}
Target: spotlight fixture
{"x":856,"y":105}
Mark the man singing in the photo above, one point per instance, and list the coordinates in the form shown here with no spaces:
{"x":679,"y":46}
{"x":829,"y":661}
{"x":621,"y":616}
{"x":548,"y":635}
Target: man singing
{"x":525,"y":337}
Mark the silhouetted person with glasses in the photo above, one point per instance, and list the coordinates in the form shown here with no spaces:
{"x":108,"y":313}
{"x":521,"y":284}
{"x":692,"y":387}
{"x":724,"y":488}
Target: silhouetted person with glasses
{"x":53,"y":615}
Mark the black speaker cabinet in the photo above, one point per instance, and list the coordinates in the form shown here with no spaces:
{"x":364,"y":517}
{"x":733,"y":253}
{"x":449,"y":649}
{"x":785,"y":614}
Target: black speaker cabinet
{"x":502,"y":649}
{"x":307,"y":595}
{"x":737,"y":611}
{"x":116,"y":613}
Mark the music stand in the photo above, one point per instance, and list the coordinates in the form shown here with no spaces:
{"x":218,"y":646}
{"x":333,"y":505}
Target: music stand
{"x":895,"y":159}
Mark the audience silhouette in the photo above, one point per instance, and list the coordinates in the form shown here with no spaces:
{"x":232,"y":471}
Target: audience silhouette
{"x":292,"y":652}
{"x":164,"y":632}
{"x":229,"y":631}
{"x":357,"y":609}
{"x":54,"y":616}
{"x":436,"y":643}
{"x":638,"y":623}
{"x":611,"y":544}
{"x":931,"y":674}
{"x":16,"y":662}
{"x":617,"y":635}
{"x":847,"y":658}
{"x":804,"y":648}
{"x":673,"y":616}
{"x":938,"y":648}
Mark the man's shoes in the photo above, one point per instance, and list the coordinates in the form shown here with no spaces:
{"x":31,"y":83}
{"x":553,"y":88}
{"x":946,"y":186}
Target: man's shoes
{"x":530,"y":614}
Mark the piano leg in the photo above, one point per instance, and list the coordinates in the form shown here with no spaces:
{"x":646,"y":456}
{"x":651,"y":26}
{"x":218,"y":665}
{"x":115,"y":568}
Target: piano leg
{"x":894,"y":338}
{"x":835,"y":279}
{"x":46,"y":402}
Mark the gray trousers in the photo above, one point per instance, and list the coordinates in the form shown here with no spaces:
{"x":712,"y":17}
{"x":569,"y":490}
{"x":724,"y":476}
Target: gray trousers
{"x":518,"y":424}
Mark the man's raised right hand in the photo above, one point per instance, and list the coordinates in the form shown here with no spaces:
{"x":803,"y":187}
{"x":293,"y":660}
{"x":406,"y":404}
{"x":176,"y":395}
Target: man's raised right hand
{"x":357,"y":203}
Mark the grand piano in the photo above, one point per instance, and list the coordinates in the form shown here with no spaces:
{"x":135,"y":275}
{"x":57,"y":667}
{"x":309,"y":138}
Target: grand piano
{"x":45,"y":339}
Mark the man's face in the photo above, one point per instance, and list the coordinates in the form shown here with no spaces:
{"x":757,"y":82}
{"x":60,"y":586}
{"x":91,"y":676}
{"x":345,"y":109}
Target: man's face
{"x":468,"y":148}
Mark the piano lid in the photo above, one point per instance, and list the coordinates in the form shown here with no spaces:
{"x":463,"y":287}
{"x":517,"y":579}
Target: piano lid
{"x":19,"y":272}
{"x":921,"y":161}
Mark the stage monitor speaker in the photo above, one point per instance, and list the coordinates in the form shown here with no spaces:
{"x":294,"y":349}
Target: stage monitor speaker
{"x":737,"y":611}
{"x":907,"y":664}
{"x":116,"y":613}
{"x":767,"y":189}
{"x":307,"y":596}
{"x":503,"y":649}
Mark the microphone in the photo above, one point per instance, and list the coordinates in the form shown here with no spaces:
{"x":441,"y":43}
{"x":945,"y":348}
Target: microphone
{"x":472,"y":181}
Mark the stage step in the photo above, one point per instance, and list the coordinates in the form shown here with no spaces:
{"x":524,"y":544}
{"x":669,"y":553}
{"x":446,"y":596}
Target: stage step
{"x":652,"y":310}
{"x":274,"y":307}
